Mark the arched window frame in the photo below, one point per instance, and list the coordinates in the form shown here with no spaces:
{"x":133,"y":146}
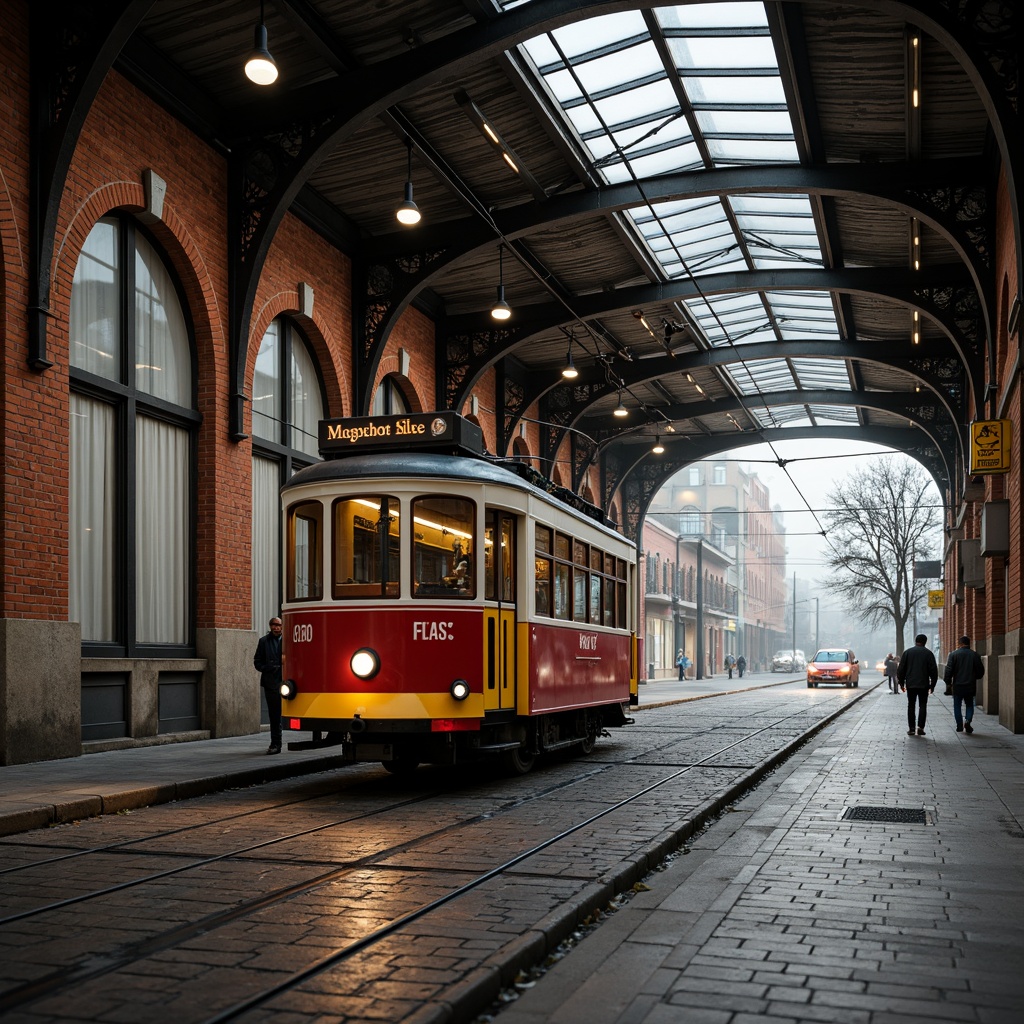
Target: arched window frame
{"x":287,"y":456}
{"x":129,"y":404}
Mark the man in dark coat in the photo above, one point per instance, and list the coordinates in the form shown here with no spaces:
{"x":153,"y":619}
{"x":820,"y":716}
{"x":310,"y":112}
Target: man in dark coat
{"x":963,"y":670}
{"x":918,"y":675}
{"x":267,"y":660}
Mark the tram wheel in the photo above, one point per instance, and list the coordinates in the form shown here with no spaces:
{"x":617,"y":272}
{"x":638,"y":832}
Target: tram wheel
{"x":518,"y":761}
{"x":401,"y":765}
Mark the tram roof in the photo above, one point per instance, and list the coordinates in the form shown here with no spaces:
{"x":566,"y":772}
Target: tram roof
{"x":428,"y":465}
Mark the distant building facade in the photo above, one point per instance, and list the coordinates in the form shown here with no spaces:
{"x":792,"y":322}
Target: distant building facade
{"x":719,"y":514}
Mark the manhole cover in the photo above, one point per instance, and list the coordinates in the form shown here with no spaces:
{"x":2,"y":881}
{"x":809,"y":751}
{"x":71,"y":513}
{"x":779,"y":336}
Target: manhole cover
{"x":904,"y":815}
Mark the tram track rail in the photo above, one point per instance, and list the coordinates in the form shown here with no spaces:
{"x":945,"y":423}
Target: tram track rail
{"x":104,"y":963}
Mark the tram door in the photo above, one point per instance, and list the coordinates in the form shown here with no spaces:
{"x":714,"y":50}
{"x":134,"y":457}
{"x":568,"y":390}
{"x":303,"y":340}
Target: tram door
{"x":499,"y":611}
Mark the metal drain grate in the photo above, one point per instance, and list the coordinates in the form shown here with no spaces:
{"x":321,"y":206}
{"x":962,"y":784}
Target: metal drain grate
{"x":904,"y":815}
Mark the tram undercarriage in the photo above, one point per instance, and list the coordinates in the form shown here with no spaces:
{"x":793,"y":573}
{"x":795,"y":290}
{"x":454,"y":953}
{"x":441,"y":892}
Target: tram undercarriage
{"x":402,"y":745}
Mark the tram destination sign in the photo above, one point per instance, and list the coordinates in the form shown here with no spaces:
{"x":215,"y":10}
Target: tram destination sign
{"x":427,"y":431}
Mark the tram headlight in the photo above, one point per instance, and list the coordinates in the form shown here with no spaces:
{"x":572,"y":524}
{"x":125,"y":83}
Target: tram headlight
{"x":365,"y":663}
{"x":289,"y":689}
{"x":459,"y":689}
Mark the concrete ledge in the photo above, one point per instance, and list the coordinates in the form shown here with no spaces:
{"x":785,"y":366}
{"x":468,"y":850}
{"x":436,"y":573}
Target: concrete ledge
{"x":25,"y":819}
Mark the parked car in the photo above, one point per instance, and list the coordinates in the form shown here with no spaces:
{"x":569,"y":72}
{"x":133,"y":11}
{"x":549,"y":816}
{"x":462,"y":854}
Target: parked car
{"x":833,"y":665}
{"x":788,"y":661}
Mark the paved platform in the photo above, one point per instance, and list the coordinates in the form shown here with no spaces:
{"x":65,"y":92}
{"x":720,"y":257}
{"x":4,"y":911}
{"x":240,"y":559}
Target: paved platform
{"x":52,"y":792}
{"x":786,"y":912}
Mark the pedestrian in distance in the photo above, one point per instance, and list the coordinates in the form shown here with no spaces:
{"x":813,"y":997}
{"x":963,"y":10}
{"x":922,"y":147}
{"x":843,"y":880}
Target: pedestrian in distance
{"x":741,"y":665}
{"x":963,"y":670}
{"x":891,"y":664}
{"x":730,"y":662}
{"x":267,"y":661}
{"x":679,"y":663}
{"x":918,"y":674}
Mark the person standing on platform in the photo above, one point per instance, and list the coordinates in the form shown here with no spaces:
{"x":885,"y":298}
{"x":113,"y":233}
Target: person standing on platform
{"x":963,"y":670}
{"x":891,"y":665}
{"x":267,"y":661}
{"x":681,"y":660}
{"x":918,"y":675}
{"x":741,"y":665}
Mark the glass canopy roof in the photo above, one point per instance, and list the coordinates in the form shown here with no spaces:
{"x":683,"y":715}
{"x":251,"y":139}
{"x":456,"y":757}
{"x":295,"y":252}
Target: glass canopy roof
{"x":685,"y":88}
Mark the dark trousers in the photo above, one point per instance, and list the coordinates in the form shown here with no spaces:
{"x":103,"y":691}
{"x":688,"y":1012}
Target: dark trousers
{"x":961,"y":702}
{"x":919,"y":694}
{"x":273,"y":695}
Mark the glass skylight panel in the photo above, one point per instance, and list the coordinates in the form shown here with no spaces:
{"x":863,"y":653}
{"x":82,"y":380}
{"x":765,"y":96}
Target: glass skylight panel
{"x":818,"y":374}
{"x":835,"y":413}
{"x":763,"y":375}
{"x":804,"y":314}
{"x":752,"y":151}
{"x":791,"y":416}
{"x":598,"y":33}
{"x":736,"y":53}
{"x":637,"y":63}
{"x":714,"y":16}
{"x":754,"y":92}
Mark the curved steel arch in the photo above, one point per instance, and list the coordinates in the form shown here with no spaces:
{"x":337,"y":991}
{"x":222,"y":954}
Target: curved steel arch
{"x":947,"y":195}
{"x":266,"y":177}
{"x":637,"y":477}
{"x":944,"y":294}
{"x":565,"y":405}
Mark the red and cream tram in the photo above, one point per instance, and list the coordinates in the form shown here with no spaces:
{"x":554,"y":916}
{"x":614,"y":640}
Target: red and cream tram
{"x":441,"y":606}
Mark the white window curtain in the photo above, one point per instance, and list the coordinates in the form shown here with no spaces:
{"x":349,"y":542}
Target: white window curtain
{"x":163,"y":367}
{"x":307,"y":407}
{"x":162,"y":548}
{"x":94,"y":329}
{"x":92,"y":497}
{"x":266,"y":390}
{"x":266,"y":553}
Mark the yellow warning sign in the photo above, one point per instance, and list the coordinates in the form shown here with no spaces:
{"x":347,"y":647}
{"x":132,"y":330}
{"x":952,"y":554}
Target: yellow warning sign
{"x":990,"y":446}
{"x":936,"y":599}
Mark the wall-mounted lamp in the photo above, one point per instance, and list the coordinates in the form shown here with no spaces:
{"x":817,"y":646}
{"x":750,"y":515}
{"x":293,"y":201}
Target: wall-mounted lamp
{"x":917,"y":328}
{"x":408,"y":212}
{"x":658,"y":448}
{"x":501,"y":310}
{"x":260,"y":68}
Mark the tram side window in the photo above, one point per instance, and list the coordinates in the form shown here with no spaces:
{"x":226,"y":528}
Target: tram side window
{"x":620,"y":591}
{"x":305,"y":551}
{"x":444,"y":547}
{"x":580,"y":581}
{"x":367,"y":547}
{"x":542,"y":570}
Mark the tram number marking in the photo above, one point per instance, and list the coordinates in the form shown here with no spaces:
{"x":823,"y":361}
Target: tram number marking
{"x":588,"y":641}
{"x":302,"y":633}
{"x":422,"y":630}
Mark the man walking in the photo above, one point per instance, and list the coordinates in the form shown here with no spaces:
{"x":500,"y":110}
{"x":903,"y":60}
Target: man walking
{"x":918,"y":675}
{"x":963,"y":670}
{"x":267,"y":661}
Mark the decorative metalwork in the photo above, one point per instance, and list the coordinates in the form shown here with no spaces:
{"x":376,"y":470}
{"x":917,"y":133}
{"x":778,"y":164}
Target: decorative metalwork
{"x":515,"y":405}
{"x":463,"y":350}
{"x":992,"y":26}
{"x":963,"y":209}
{"x":962,"y":308}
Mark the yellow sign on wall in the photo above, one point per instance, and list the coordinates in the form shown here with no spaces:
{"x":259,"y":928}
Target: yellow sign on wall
{"x":936,"y":599}
{"x":990,"y":446}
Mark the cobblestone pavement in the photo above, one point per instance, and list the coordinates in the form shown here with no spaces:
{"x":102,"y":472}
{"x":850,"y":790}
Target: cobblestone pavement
{"x":249,"y":888}
{"x":785,"y":912}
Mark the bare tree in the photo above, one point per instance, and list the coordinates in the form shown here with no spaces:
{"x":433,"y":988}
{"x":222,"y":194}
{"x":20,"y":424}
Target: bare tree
{"x":885,"y":516}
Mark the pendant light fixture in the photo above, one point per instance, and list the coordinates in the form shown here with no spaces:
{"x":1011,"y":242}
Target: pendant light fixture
{"x":570,"y":372}
{"x":408,"y":213}
{"x":620,"y":410}
{"x":658,"y":448}
{"x":260,"y":68}
{"x":501,"y":310}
